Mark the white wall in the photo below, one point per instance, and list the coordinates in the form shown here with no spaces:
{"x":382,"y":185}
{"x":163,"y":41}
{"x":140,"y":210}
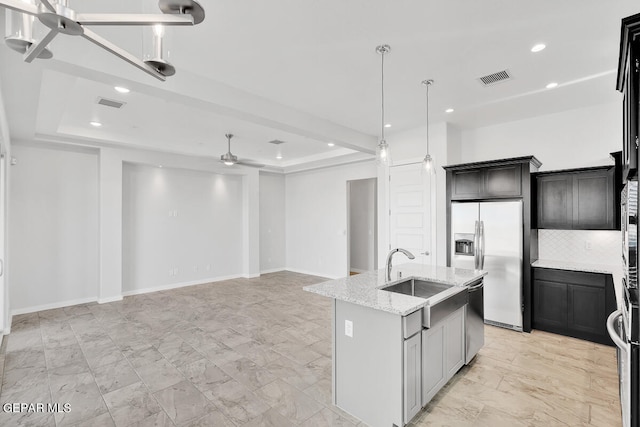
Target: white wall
{"x":179,"y":227}
{"x":362,"y":225}
{"x":408,"y":147}
{"x":575,"y":138}
{"x":272,"y":222}
{"x":317,"y":218}
{"x":54,"y":227}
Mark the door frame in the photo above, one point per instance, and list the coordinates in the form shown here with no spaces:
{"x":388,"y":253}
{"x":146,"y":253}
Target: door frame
{"x":375,"y":209}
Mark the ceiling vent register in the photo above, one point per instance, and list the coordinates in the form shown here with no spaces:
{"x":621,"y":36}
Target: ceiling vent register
{"x":276,"y":142}
{"x":110,"y":103}
{"x":492,"y":79}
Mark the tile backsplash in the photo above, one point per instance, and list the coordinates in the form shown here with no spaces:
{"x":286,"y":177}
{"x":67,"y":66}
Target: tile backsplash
{"x":586,"y":246}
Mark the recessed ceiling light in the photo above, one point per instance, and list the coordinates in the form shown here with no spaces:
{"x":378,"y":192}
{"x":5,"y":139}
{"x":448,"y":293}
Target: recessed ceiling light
{"x":95,"y":124}
{"x":552,"y":85}
{"x":279,"y":157}
{"x":160,"y":166}
{"x":538,"y":47}
{"x":122,"y":89}
{"x":449,"y":110}
{"x":388,"y":125}
{"x":331,"y":144}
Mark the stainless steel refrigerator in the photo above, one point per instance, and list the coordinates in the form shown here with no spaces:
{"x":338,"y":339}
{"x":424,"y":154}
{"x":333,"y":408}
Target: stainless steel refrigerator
{"x":488,"y":236}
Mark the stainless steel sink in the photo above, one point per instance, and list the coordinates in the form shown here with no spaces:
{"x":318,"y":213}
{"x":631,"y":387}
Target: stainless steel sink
{"x":418,"y":288}
{"x":442,"y":299}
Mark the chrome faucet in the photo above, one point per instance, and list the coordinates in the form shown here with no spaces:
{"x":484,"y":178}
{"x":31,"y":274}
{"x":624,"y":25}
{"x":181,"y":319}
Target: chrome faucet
{"x":390,"y":255}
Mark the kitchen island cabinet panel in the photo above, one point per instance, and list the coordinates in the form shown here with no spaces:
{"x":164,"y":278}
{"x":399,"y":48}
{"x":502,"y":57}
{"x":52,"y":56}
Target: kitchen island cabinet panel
{"x":455,"y":336}
{"x":433,"y":364}
{"x":412,"y":375}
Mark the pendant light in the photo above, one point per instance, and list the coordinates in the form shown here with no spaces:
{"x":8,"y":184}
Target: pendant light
{"x":427,"y":163}
{"x":383,"y":156}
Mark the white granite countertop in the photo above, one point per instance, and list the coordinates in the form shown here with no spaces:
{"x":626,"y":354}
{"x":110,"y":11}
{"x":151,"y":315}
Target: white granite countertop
{"x":364,"y":289}
{"x":614,"y":270}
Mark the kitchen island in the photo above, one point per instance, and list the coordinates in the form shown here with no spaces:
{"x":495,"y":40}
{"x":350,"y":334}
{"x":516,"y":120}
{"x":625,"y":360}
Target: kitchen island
{"x":394,"y":349}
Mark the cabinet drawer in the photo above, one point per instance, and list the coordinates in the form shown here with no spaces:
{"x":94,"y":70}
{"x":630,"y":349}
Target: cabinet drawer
{"x":412,"y":324}
{"x":566,"y":276}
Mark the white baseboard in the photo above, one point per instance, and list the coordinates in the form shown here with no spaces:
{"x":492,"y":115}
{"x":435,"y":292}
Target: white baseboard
{"x":178,"y":285}
{"x":109,"y":299}
{"x":250,"y":276}
{"x":312,"y":273}
{"x":51,"y":306}
{"x":272,"y":270}
{"x":357,"y":270}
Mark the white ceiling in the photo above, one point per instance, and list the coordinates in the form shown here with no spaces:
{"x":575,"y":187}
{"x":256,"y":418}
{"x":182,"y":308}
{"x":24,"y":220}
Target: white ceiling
{"x":306,"y":72}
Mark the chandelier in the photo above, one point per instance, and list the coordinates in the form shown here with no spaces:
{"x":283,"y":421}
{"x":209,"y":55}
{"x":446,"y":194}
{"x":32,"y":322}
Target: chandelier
{"x":59,"y":18}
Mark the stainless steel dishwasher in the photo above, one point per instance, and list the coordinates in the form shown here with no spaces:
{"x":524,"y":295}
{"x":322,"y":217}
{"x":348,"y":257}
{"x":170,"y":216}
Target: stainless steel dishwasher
{"x":475,"y":320}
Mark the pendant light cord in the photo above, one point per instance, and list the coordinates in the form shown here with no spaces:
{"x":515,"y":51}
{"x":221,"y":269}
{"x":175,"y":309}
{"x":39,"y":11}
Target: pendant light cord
{"x":382,"y":86}
{"x":428,"y":118}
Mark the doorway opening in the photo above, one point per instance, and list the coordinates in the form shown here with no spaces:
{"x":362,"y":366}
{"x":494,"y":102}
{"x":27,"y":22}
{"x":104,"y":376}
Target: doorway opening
{"x":362,"y":225}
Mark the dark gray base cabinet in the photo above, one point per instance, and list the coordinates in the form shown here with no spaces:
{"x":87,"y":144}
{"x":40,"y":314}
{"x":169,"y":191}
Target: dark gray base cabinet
{"x":573,"y":303}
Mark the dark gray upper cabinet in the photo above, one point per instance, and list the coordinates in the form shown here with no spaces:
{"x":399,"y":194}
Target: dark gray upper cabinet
{"x":578,"y":199}
{"x":628,"y":84}
{"x":488,"y":180}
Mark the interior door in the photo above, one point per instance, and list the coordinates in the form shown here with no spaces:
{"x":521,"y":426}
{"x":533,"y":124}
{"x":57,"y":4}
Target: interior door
{"x":410,"y":218}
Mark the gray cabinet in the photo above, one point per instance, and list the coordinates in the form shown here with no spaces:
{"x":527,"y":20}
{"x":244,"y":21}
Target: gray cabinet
{"x":454,"y":338}
{"x":433,"y":366}
{"x":412,"y":374}
{"x":573,"y":303}
{"x":443,"y":353}
{"x":578,"y":199}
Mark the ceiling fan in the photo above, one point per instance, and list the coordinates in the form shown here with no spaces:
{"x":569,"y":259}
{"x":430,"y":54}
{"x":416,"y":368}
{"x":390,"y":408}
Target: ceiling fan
{"x":61,"y":19}
{"x":231,"y":159}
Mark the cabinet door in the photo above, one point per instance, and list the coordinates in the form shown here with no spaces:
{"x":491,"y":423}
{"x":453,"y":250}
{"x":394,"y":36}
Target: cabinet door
{"x":433,"y":367}
{"x":412,"y":376}
{"x":454,"y":343}
{"x":503,"y":181}
{"x":587,"y":309}
{"x":593,"y":200}
{"x":555,"y":202}
{"x":549,"y":305}
{"x":466,"y":184}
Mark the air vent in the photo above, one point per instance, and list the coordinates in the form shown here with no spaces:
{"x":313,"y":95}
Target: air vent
{"x":110,"y":103}
{"x":276,"y":142}
{"x":494,"y":78}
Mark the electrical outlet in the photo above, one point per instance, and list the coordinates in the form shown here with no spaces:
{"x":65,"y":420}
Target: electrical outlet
{"x":587,"y":245}
{"x":348,"y":328}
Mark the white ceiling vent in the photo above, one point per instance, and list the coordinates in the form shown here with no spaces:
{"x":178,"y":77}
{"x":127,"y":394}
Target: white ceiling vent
{"x":276,"y":142}
{"x":110,"y":102}
{"x":491,"y":79}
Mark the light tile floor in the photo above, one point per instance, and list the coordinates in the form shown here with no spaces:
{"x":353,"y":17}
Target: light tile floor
{"x":257,"y":353}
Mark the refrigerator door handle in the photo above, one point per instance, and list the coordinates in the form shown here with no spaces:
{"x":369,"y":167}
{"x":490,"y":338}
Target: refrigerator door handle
{"x":476,"y":245}
{"x":481,"y":239}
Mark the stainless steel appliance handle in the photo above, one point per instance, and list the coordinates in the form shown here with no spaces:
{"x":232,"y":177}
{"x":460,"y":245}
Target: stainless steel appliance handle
{"x":481,"y":257}
{"x":612,"y":331}
{"x":476,"y":245}
{"x":476,"y":287}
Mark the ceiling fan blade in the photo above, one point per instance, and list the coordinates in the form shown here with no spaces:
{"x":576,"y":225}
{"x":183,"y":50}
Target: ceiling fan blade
{"x":250,"y":164}
{"x":133,"y":19}
{"x":121,"y":53}
{"x":36,"y":49}
{"x":20,"y":6}
{"x":48,"y":5}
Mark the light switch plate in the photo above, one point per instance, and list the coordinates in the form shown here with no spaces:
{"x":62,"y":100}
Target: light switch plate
{"x":348,"y":328}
